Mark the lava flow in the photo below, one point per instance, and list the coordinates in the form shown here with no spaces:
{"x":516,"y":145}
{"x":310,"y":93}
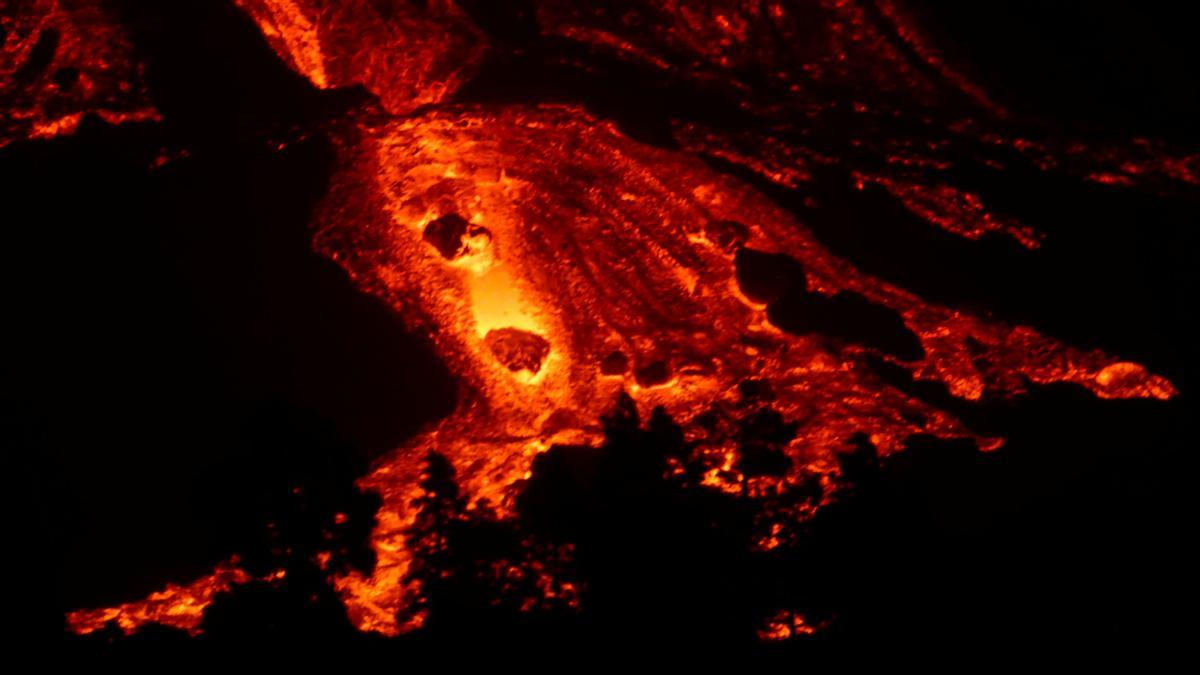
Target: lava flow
{"x":407,"y":54}
{"x":176,"y":606}
{"x":556,"y":262}
{"x":60,"y":60}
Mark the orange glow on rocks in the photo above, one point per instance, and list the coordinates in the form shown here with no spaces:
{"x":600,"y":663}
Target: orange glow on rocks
{"x":180,"y":607}
{"x":785,"y":625}
{"x":408,"y":54}
{"x":556,"y":262}
{"x":953,"y":210}
{"x":801,"y":47}
{"x":61,"y":60}
{"x":647,"y":275}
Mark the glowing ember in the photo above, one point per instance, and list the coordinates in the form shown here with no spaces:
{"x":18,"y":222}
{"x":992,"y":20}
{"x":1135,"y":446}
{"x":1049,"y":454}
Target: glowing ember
{"x":785,"y":625}
{"x":408,"y":54}
{"x":556,"y":262}
{"x":176,"y":606}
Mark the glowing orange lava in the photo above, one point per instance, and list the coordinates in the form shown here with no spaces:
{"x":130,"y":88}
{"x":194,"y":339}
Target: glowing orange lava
{"x":602,"y":245}
{"x":556,"y":262}
{"x":176,"y":606}
{"x":60,"y":60}
{"x":408,"y":54}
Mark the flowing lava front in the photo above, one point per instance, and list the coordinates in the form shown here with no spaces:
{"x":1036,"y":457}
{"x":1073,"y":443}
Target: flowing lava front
{"x":557,"y":262}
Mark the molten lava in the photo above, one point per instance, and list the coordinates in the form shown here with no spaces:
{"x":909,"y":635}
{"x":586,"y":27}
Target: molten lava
{"x":176,"y":606}
{"x":799,"y":47}
{"x":408,"y":54}
{"x":556,"y":262}
{"x":60,"y":60}
{"x":578,"y":238}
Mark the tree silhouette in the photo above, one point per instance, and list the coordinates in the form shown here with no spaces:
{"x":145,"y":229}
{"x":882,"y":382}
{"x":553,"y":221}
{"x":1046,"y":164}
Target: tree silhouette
{"x":762,"y":437}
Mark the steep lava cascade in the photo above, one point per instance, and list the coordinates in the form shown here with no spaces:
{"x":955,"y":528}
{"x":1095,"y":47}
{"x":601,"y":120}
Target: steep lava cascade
{"x":408,"y":54}
{"x":556,"y":262}
{"x":62,"y":59}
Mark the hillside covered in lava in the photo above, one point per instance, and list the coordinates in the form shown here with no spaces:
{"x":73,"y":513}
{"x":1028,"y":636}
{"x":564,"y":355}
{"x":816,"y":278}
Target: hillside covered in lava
{"x":778,"y":328}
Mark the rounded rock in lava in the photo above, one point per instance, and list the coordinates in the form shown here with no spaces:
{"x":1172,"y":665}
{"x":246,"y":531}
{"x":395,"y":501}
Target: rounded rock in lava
{"x":518,"y":349}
